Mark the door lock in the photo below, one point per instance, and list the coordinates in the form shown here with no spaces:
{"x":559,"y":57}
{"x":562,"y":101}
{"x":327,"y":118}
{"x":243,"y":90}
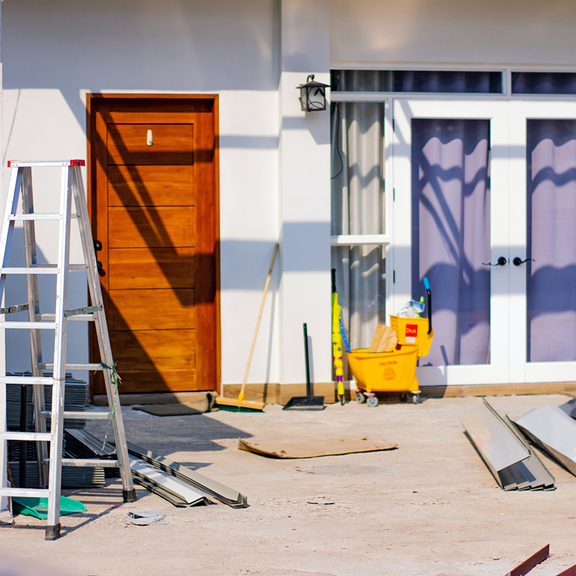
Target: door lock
{"x":517,"y":261}
{"x":501,"y":262}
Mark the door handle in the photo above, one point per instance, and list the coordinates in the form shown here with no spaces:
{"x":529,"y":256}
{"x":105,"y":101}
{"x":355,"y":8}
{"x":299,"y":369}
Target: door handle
{"x":517,"y":261}
{"x":501,"y":262}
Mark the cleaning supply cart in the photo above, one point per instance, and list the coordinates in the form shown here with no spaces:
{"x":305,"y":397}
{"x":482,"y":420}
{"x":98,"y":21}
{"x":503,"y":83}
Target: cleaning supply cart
{"x":394,"y":371}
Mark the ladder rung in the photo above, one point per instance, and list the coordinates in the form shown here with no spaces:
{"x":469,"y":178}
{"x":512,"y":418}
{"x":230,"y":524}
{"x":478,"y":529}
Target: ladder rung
{"x":77,"y":267}
{"x":27,"y":436}
{"x":29,"y":325}
{"x":39,"y":492}
{"x":90,"y":463}
{"x":77,"y":318}
{"x":80,"y":415}
{"x":14,"y":309}
{"x":34,"y":216}
{"x":89,"y":367}
{"x":45,"y":163}
{"x":33,"y":270}
{"x":82,"y":318}
{"x":42,"y":380}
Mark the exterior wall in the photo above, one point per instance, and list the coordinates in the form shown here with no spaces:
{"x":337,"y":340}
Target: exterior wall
{"x":56,"y":52}
{"x":517,"y":32}
{"x":274,"y":159}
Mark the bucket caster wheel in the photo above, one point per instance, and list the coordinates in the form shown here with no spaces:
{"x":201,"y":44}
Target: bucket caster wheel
{"x":372,"y":401}
{"x":360,"y":398}
{"x":415,"y":398}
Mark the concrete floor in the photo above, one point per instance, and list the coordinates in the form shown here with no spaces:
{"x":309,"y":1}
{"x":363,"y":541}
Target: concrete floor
{"x":428,"y":508}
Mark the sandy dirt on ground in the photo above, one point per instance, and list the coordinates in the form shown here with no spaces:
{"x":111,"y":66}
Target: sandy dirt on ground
{"x":429,"y":507}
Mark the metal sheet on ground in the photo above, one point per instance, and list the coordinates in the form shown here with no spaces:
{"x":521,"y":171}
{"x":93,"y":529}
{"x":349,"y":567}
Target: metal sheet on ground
{"x":493,"y":439}
{"x":554,"y":431}
{"x":185,"y":492}
{"x":216,"y":490}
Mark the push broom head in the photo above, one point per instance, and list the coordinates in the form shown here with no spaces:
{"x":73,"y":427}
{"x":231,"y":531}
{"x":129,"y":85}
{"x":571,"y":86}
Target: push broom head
{"x":231,"y":405}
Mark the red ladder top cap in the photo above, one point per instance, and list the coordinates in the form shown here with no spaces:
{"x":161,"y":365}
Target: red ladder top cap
{"x":77,"y":163}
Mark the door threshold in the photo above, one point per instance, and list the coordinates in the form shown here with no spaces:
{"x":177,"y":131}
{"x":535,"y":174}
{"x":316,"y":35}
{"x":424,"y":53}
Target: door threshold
{"x":159,"y":398}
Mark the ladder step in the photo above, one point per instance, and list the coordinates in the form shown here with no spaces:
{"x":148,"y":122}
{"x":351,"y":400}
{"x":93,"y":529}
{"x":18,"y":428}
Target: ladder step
{"x":45,"y":163}
{"x":34,"y":216}
{"x":90,"y":463}
{"x":34,"y":492}
{"x":89,"y":367}
{"x":80,"y":415}
{"x":27,"y":436}
{"x":30,"y":325}
{"x":77,"y":318}
{"x":42,"y":380}
{"x":55,"y":266}
{"x":33,"y":270}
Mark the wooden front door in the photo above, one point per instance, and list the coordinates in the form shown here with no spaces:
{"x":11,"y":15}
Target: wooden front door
{"x":154,"y":210}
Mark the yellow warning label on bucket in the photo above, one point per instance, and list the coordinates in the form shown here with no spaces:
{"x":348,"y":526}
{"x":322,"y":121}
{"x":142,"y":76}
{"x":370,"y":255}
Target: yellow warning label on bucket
{"x":389,"y":374}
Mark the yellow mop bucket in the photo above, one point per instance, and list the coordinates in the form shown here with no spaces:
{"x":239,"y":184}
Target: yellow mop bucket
{"x":393,"y":371}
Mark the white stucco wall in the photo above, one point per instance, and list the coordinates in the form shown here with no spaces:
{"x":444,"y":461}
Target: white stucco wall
{"x":56,"y":52}
{"x":518,"y":32}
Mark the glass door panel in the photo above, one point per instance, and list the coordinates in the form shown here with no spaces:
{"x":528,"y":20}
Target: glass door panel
{"x":543,"y":239}
{"x":451,"y":234}
{"x":450,"y":179}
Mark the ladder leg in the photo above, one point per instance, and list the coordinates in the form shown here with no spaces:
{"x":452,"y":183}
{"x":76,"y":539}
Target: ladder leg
{"x":5,"y":244}
{"x":128,"y":491}
{"x":59,"y":374}
{"x":33,"y":314}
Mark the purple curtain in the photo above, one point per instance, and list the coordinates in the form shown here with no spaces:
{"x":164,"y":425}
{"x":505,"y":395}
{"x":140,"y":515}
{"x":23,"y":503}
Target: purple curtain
{"x":451,"y":235}
{"x":551,"y":278}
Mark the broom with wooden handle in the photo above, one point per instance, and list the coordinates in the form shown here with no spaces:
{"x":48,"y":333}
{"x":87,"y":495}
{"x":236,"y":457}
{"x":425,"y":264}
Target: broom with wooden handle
{"x":241,"y":403}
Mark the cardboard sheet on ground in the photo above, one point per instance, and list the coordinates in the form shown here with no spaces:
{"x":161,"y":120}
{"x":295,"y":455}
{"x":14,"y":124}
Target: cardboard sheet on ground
{"x":313,"y":448}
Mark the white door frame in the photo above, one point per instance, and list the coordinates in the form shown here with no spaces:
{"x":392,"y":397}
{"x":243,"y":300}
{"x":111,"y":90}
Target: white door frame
{"x":404,"y":110}
{"x":522,"y":110}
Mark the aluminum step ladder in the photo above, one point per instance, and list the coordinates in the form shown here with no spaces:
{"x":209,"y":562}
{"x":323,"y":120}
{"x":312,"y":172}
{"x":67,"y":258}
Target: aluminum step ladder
{"x":50,"y":468}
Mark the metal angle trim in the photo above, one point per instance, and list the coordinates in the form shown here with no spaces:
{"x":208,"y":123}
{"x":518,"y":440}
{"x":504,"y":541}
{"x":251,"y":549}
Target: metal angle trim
{"x":183,"y":491}
{"x":531,"y":562}
{"x":568,"y":572}
{"x":213,"y":488}
{"x":493,"y":439}
{"x":554,"y":431}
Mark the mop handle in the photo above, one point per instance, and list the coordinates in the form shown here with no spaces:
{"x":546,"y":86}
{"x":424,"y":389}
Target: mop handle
{"x":429,"y":294}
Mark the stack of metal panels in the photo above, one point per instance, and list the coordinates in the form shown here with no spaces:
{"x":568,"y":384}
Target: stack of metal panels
{"x":512,"y":462}
{"x":81,"y":444}
{"x":75,"y":400}
{"x":553,"y":430}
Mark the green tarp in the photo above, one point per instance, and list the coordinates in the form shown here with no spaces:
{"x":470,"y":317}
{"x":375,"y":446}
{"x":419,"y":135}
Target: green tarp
{"x":38,"y":507}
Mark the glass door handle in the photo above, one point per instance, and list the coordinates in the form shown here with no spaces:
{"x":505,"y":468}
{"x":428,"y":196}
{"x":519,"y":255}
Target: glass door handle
{"x":501,"y":262}
{"x":517,"y":261}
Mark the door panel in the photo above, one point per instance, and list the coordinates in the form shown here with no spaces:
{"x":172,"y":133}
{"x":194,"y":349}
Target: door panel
{"x":175,"y":312}
{"x":155,"y":227}
{"x":448,"y":240}
{"x":150,"y":185}
{"x":165,"y":268}
{"x":171,"y":144}
{"x":154,"y":211}
{"x":542,"y":193}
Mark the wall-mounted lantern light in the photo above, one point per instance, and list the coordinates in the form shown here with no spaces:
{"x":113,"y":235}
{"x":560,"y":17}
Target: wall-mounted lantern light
{"x":312,"y":95}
